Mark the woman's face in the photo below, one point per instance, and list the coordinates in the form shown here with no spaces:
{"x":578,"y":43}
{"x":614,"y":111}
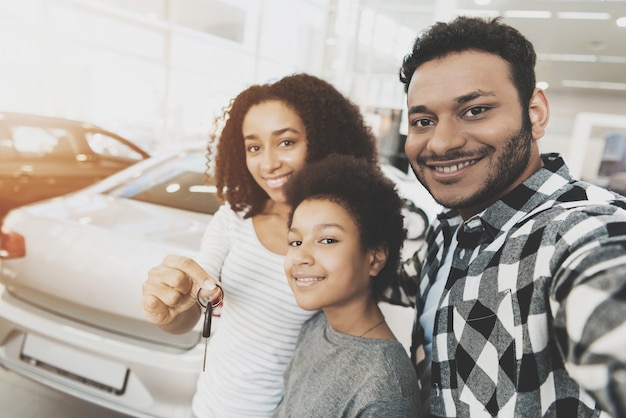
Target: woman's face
{"x":326,"y":264}
{"x":275,"y":144}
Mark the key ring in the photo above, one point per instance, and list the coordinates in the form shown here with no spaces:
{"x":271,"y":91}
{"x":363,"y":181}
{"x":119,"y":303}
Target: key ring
{"x":213,"y":305}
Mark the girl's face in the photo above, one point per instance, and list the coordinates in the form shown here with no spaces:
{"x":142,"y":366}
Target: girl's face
{"x":326,"y":265}
{"x":276,"y":145}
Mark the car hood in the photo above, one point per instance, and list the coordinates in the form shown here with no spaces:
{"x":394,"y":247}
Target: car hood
{"x":87,"y":256}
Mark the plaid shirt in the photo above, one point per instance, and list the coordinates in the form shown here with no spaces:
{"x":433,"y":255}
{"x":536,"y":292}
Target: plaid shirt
{"x":532,"y":320}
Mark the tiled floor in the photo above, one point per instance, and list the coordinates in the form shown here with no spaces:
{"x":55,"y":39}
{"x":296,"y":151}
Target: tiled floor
{"x":23,"y":398}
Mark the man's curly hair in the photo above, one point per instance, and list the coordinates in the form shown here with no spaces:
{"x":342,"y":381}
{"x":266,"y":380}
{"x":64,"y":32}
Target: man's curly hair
{"x":366,"y":194}
{"x":333,"y":124}
{"x":473,"y":33}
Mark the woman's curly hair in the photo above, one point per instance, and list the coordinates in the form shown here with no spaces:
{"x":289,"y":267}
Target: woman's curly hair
{"x":366,"y":194}
{"x":333,"y":124}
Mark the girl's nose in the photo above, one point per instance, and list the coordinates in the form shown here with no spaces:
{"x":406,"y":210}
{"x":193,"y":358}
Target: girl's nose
{"x":302,"y":256}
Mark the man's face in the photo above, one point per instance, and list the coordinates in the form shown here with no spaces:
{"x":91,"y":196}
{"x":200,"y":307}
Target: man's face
{"x":467,"y":142}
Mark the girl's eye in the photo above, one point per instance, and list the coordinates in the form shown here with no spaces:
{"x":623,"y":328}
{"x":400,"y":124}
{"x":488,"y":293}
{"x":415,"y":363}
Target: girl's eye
{"x":253,"y":148}
{"x":295,"y":243}
{"x":328,"y":240}
{"x":420,"y":123}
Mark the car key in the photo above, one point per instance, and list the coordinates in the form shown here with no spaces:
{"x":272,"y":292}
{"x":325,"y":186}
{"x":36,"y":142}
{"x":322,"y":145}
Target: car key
{"x":208,"y":315}
{"x":206,"y":329}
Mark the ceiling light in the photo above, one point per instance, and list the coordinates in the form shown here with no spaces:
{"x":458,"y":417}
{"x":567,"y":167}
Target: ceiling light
{"x":621,"y":22}
{"x":478,"y":13}
{"x":543,"y":85}
{"x":528,"y":14}
{"x":482,"y":2}
{"x":603,"y":85}
{"x":612,"y":59}
{"x":583,"y":15}
{"x":568,"y":57}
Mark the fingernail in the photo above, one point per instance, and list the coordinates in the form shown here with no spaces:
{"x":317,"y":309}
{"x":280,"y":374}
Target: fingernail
{"x":208,"y":285}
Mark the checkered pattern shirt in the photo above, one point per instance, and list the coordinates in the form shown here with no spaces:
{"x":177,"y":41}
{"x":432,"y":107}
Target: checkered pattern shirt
{"x":532,"y":319}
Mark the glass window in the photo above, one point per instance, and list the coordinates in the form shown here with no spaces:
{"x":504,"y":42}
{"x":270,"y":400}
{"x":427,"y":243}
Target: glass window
{"x":179,"y":183}
{"x":32,"y":141}
{"x":212,"y":16}
{"x":107,"y":146}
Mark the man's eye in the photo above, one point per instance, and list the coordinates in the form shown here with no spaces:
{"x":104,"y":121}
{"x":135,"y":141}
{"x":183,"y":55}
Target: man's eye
{"x":475,"y":111}
{"x":328,"y":240}
{"x":295,"y":243}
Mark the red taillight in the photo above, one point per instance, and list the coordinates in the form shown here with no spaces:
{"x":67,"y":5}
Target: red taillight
{"x":12,"y":244}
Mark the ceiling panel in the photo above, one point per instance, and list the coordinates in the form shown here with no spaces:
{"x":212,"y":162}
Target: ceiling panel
{"x":572,"y":53}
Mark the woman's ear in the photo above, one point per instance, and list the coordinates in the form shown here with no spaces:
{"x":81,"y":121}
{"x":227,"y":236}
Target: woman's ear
{"x":378,"y":258}
{"x":539,"y":113}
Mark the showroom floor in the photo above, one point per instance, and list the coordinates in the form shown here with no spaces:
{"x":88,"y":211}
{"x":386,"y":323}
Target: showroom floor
{"x":23,"y":398}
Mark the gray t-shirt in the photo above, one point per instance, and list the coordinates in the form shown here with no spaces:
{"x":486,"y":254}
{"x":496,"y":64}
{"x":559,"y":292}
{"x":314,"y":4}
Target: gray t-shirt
{"x":337,"y":375}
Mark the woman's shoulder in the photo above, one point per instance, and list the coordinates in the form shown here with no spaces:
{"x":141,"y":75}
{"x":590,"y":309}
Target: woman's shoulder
{"x":226,"y":214}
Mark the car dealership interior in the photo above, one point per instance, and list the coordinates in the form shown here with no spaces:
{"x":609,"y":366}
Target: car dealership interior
{"x":158,"y":73}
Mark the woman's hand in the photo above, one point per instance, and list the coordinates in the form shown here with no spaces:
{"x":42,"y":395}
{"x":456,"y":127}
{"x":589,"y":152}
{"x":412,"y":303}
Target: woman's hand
{"x":171,"y":291}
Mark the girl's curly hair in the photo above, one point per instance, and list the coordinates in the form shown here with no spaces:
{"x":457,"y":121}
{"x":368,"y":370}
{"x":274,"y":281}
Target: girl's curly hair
{"x":366,"y":194}
{"x":333,"y":124}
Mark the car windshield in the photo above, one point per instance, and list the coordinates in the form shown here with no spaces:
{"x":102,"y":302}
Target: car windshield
{"x":37,"y":142}
{"x":179,"y":182}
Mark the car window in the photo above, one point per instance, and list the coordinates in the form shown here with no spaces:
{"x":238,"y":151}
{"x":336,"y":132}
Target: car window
{"x":108,"y":146}
{"x":179,"y":182}
{"x":45,"y":143}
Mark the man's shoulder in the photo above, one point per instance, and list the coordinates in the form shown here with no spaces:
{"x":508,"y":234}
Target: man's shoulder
{"x":583,"y":197}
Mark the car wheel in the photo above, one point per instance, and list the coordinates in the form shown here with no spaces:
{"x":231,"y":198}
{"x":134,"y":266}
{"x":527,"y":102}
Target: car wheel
{"x":415,"y":221}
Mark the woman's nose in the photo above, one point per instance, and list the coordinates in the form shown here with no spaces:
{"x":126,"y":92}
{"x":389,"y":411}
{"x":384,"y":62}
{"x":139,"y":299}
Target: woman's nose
{"x":270,"y":160}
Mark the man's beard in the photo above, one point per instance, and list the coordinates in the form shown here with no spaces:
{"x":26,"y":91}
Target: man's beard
{"x":511,"y":163}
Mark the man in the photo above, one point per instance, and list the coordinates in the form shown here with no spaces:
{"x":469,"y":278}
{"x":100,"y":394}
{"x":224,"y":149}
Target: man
{"x":520,"y":288}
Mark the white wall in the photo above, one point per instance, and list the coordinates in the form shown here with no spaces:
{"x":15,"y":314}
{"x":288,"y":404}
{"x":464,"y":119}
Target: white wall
{"x":159,"y":71}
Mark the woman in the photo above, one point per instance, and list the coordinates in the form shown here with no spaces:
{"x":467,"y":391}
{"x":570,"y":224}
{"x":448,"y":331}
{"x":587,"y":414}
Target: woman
{"x":269,"y":132}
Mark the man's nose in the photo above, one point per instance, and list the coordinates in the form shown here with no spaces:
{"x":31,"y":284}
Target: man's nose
{"x":446,"y":136}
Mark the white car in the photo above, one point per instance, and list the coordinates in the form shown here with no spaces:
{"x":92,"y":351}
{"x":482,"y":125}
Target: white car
{"x":421,"y":207}
{"x":71,"y":270}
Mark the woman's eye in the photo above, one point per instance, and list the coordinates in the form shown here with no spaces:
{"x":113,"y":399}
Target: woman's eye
{"x":253,"y":148}
{"x":287,"y":142}
{"x":295,"y":243}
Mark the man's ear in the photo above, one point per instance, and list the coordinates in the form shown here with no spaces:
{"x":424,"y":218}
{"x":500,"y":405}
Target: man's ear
{"x":378,"y":258}
{"x":539,"y":113}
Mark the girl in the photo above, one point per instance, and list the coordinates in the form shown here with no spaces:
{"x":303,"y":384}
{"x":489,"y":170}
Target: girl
{"x":345,"y":236}
{"x":269,"y":133}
